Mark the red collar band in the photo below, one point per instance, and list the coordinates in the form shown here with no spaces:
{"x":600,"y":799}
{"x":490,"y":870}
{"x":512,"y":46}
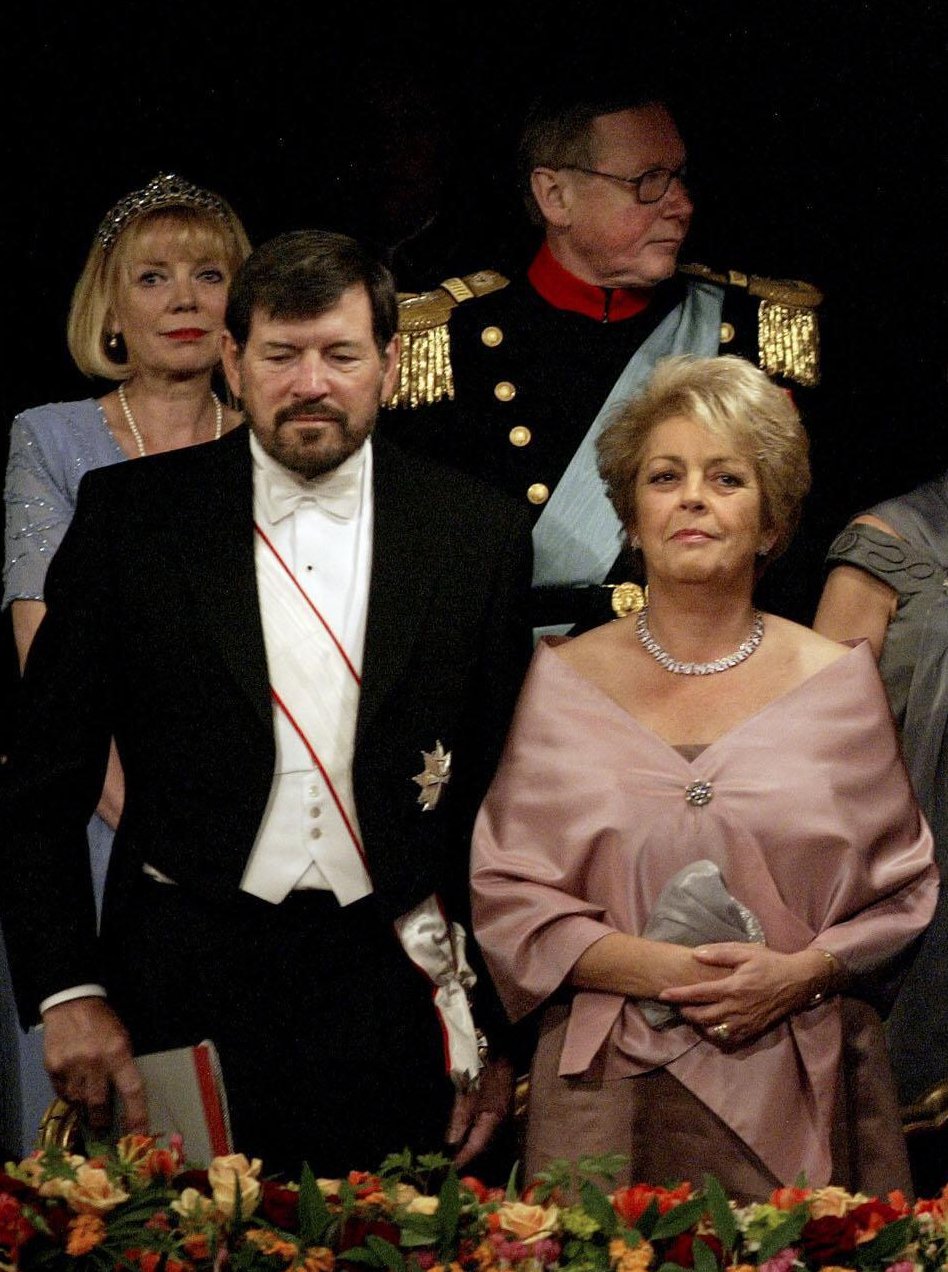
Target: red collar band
{"x":564,"y":290}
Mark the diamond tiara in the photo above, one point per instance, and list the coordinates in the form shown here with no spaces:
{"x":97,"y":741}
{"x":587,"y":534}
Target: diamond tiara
{"x":165,"y":190}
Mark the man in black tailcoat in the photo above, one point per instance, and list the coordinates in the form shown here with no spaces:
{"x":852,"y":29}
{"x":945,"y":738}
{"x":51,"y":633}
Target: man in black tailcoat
{"x":307,"y":646}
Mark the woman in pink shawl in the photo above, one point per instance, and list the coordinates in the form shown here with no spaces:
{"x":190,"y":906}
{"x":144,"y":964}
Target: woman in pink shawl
{"x":701,"y":858}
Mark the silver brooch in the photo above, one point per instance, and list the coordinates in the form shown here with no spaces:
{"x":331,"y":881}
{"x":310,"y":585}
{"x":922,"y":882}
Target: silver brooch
{"x":435,"y":774}
{"x":699,"y":793}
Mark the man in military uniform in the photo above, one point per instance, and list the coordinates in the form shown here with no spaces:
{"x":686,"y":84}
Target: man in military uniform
{"x":511,"y":380}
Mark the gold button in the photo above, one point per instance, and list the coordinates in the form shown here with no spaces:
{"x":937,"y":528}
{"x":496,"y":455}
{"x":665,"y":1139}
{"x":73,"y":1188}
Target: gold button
{"x":727,"y":332}
{"x":492,"y":337}
{"x":538,"y":493}
{"x":504,"y":391}
{"x":520,"y":436}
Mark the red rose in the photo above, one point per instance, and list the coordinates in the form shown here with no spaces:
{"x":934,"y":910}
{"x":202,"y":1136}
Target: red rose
{"x":280,"y":1206}
{"x":474,"y":1185}
{"x":364,"y":1183}
{"x":356,"y":1231}
{"x":826,"y":1240}
{"x":161,"y":1164}
{"x":681,"y":1250}
{"x":15,"y":1228}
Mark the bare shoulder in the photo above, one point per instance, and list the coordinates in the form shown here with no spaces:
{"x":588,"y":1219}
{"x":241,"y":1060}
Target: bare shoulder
{"x":806,"y":651}
{"x":867,"y":519}
{"x":594,"y":649}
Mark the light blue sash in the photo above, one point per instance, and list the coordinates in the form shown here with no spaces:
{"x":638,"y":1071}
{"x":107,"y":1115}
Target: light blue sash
{"x":578,"y":535}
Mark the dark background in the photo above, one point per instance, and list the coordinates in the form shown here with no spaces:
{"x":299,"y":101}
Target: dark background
{"x":817,"y":130}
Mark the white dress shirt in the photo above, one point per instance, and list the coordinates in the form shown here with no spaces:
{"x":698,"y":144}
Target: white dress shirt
{"x":322,"y":530}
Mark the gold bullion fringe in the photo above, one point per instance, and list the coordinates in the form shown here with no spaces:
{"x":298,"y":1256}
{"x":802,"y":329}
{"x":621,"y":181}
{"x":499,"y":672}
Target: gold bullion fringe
{"x":789,"y":342}
{"x":424,"y":374}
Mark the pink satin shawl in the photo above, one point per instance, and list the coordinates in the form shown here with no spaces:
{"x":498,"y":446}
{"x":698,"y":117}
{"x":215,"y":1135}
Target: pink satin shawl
{"x":811,"y":821}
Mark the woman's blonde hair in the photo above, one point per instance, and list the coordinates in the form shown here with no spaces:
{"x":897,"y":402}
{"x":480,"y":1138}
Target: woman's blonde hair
{"x":732,"y":399}
{"x":201,"y":230}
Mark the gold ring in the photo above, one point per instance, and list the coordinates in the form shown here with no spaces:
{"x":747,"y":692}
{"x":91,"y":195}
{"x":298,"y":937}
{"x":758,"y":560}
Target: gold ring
{"x":720,"y":1032}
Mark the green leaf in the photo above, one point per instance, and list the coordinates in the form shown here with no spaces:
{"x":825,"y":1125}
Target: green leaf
{"x":672,"y":1267}
{"x":598,"y":1206}
{"x":674,"y":1222}
{"x":785,"y":1234}
{"x":510,"y":1192}
{"x":722,"y":1217}
{"x":358,"y":1255}
{"x":606,"y":1165}
{"x":891,"y":1240}
{"x":315,"y":1215}
{"x":424,"y":1226}
{"x":397,"y":1164}
{"x":412,"y":1237}
{"x":648,"y":1219}
{"x":448,"y":1215}
{"x":390,"y":1255}
{"x":704,"y":1260}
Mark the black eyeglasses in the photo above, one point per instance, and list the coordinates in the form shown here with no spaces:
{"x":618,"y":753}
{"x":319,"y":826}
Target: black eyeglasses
{"x":649,"y":187}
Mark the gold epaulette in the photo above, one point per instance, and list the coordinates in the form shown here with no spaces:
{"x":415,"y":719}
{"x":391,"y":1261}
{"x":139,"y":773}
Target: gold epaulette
{"x":788,"y":333}
{"x":425,"y":375}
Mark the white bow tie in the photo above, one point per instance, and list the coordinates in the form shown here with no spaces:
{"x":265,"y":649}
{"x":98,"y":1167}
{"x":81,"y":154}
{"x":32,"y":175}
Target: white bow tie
{"x":334,"y":492}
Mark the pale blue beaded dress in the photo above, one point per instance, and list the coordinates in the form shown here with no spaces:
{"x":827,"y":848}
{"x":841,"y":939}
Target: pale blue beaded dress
{"x":51,"y":448}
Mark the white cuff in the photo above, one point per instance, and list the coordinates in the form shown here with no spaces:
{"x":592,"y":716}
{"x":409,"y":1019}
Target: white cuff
{"x":437,"y":947}
{"x":67,"y":995}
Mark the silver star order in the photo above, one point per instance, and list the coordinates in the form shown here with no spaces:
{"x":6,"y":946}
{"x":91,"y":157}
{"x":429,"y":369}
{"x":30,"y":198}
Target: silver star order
{"x":436,"y":773}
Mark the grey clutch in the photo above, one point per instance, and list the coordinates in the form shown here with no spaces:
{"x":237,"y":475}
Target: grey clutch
{"x":695,"y":908}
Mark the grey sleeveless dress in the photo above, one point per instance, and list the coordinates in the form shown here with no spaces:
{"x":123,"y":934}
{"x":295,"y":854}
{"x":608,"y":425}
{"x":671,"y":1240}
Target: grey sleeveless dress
{"x":914,"y":667}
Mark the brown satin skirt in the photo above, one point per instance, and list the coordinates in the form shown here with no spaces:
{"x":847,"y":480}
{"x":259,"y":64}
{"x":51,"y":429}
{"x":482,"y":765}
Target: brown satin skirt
{"x":669,"y":1135}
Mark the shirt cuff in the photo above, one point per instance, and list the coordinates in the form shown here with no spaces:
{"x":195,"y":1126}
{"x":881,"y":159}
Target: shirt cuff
{"x":67,"y":995}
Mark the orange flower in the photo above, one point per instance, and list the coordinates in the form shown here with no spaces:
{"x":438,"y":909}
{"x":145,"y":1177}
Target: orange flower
{"x":92,"y":1192}
{"x":197,"y":1247}
{"x":787,"y":1198}
{"x":85,"y":1233}
{"x":628,"y":1258}
{"x":527,"y":1223}
{"x":132,"y":1149}
{"x":318,"y":1259}
{"x":630,"y":1203}
{"x":937,"y":1207}
{"x":484,"y":1256}
{"x":160,"y":1164}
{"x":270,"y":1244}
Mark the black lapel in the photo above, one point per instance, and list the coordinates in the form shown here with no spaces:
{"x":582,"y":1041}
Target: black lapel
{"x":220,"y":544}
{"x":404,"y":564}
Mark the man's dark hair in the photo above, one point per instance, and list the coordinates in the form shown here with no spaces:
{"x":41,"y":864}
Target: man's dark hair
{"x":303,"y":274}
{"x":557,"y":130}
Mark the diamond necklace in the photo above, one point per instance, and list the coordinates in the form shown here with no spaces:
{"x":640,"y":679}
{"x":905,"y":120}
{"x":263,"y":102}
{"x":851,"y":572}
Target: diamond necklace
{"x":137,"y":433}
{"x":664,"y":658}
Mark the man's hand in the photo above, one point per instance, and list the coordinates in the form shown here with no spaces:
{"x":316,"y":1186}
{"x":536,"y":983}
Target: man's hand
{"x":478,"y":1113}
{"x":87,"y":1052}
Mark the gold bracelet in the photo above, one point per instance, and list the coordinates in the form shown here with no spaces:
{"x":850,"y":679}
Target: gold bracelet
{"x":819,"y":995}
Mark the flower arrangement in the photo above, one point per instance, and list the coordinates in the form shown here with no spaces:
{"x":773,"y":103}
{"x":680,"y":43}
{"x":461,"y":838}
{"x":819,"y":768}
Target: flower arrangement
{"x":136,"y":1206}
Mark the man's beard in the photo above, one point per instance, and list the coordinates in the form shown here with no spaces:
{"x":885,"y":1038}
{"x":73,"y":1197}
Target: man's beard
{"x":311,"y":452}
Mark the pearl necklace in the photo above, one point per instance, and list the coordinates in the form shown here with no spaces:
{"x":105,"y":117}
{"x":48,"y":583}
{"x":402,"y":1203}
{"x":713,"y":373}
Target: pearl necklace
{"x":664,"y":659}
{"x":137,"y":433}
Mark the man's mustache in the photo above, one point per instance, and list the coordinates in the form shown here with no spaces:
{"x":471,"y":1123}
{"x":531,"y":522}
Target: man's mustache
{"x":309,"y":407}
